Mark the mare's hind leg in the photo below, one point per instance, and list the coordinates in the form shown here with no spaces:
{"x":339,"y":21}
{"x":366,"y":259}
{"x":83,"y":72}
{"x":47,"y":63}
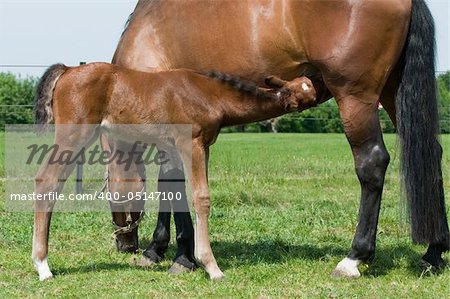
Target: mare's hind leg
{"x":51,"y":178}
{"x":371,"y":158}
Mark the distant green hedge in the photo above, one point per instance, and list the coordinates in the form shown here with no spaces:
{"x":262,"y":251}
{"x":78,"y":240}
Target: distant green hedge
{"x":14,"y":93}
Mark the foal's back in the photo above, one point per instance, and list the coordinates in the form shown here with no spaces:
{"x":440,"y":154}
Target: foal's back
{"x":97,"y":92}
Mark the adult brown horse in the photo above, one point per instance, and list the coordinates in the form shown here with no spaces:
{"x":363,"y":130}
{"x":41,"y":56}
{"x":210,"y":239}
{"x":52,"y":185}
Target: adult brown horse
{"x":360,"y":52}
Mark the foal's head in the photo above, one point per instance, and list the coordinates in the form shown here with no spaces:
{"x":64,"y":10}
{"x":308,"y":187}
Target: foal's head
{"x":297,"y":94}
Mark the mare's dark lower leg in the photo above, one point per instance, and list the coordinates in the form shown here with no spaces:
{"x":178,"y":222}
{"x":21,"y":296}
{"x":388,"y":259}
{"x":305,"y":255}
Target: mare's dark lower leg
{"x":173,"y":181}
{"x":184,"y":229}
{"x":371,"y":163}
{"x":161,"y":236}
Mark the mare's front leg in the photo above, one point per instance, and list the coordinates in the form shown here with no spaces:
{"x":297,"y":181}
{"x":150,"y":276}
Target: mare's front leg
{"x":172,"y":180}
{"x":363,"y":132}
{"x":201,"y":201}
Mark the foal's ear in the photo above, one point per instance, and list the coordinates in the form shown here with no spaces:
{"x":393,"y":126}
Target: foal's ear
{"x":273,"y":81}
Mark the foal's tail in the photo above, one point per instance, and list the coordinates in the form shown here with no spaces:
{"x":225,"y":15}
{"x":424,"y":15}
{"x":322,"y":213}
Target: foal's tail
{"x":43,"y":113}
{"x":418,"y":127}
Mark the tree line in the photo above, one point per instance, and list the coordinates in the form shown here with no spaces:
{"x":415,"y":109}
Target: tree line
{"x":16,"y":100}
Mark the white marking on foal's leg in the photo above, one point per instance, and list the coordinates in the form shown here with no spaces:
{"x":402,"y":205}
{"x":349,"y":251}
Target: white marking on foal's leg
{"x":42,"y":268}
{"x":305,"y":87}
{"x":204,"y":255}
{"x":347,"y":268}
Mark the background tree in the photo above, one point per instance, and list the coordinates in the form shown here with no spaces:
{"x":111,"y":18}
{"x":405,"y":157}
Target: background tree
{"x":15,"y":93}
{"x":443,"y":84}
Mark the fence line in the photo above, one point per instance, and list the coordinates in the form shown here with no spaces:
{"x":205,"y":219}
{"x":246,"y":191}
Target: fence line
{"x":324,"y":108}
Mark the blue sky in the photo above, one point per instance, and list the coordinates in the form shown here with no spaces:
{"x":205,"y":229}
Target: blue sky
{"x":37,"y":32}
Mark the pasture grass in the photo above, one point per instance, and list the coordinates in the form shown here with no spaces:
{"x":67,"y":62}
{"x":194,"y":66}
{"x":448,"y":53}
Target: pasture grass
{"x":284,"y":210}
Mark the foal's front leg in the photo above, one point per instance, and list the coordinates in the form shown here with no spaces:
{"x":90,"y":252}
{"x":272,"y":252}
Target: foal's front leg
{"x":201,"y":202}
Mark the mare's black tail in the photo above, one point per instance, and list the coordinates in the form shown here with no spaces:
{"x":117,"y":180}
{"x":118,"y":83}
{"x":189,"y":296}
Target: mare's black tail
{"x":418,"y":127}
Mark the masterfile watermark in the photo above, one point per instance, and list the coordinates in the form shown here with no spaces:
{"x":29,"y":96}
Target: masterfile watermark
{"x":116,"y":167}
{"x":137,"y":155}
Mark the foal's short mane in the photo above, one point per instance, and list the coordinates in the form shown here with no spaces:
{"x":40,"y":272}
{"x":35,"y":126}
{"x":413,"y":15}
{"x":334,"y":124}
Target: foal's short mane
{"x":241,"y":85}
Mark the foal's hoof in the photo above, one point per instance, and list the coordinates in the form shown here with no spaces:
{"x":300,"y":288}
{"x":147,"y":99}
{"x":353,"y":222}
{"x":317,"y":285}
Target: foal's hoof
{"x":217,"y":276}
{"x":43,"y":269}
{"x":347,"y":268}
{"x":45,"y":277}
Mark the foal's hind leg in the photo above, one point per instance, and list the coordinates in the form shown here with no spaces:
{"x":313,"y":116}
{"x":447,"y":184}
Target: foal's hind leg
{"x":51,"y":178}
{"x":363,"y":132}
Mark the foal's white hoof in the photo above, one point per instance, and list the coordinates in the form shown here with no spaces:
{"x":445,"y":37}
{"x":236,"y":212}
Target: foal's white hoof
{"x":347,"y":268}
{"x":45,"y":276}
{"x":43,"y":269}
{"x":217,"y":276}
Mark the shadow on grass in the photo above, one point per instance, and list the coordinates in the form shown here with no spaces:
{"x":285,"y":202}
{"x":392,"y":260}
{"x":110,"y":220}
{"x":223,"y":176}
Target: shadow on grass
{"x":99,"y":267}
{"x":274,"y":251}
{"x":391,"y":258}
{"x":237,"y":254}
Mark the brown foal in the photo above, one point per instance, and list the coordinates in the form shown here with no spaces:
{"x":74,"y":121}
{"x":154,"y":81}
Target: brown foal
{"x":102,"y":94}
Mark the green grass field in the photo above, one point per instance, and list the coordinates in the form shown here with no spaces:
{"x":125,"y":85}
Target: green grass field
{"x":284,"y":210}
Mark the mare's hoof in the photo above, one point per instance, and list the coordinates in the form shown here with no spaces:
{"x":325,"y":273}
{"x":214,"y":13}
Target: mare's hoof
{"x":339,"y":273}
{"x":181,"y":265}
{"x":433,"y":261}
{"x":152,"y":256}
{"x":347,"y":268}
{"x":176,"y":269}
{"x":145,"y":262}
{"x":435,"y":265}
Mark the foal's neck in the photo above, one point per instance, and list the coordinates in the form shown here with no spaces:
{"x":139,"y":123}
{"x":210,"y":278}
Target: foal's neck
{"x":242,"y":108}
